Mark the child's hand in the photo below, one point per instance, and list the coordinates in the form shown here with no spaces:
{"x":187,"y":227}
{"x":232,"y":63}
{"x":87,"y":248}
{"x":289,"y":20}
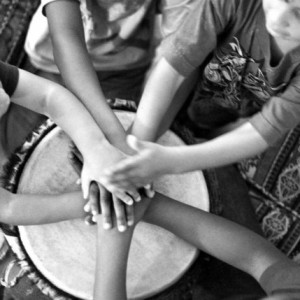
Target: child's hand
{"x":4,"y":101}
{"x":150,"y":161}
{"x":97,"y":161}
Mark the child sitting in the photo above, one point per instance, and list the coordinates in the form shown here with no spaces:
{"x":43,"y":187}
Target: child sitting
{"x":248,"y":54}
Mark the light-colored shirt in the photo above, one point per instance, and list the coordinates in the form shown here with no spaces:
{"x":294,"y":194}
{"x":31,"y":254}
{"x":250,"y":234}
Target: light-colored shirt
{"x":119,"y":34}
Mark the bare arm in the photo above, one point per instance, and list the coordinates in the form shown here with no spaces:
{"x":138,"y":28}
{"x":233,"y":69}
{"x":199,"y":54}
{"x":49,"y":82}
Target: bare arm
{"x":63,"y":107}
{"x":228,"y":241}
{"x":53,"y":100}
{"x":19,"y":209}
{"x":74,"y":63}
{"x":156,"y":101}
{"x":241,"y":143}
{"x":153,"y":160}
{"x":112,"y":256}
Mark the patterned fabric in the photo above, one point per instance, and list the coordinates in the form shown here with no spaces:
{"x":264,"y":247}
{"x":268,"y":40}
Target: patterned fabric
{"x":274,"y":180}
{"x":15,"y":16}
{"x":233,"y":85}
{"x":231,"y":35}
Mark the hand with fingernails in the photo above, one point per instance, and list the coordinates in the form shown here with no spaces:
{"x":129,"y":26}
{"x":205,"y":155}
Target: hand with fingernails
{"x":4,"y":101}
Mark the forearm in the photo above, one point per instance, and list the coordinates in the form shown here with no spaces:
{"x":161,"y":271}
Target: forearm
{"x":41,"y":209}
{"x":112,"y":256}
{"x":157,"y":98}
{"x":81,"y":79}
{"x":229,"y":148}
{"x":53,"y":100}
{"x":217,"y":236}
{"x":67,"y":112}
{"x":78,"y":72}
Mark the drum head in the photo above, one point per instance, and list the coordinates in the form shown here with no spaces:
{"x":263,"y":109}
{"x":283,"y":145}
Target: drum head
{"x":65,"y":253}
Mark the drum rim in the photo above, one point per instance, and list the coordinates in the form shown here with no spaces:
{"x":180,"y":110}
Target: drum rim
{"x":17,"y":163}
{"x":13,"y":172}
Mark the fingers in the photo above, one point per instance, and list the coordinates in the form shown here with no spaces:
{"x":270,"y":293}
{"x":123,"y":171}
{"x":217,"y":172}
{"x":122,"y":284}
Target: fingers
{"x":106,"y":207}
{"x":94,"y":201}
{"x":85,"y":186}
{"x":130,"y":215}
{"x":149,"y":190}
{"x":92,"y":207}
{"x":124,"y":197}
{"x":88,"y":220}
{"x":100,"y":201}
{"x":120,"y":212}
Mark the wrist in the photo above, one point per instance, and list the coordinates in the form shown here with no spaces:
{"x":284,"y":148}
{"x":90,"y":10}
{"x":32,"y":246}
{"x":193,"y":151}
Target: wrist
{"x":169,"y":160}
{"x":95,"y":147}
{"x":175,"y":160}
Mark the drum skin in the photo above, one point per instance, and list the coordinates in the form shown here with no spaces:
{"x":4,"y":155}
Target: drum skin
{"x":64,"y":254}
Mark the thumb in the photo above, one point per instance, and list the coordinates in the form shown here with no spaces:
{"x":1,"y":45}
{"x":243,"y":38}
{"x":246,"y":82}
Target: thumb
{"x":134,"y":143}
{"x":85,"y":187}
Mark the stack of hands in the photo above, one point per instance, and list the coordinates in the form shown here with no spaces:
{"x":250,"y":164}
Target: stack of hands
{"x":123,"y":181}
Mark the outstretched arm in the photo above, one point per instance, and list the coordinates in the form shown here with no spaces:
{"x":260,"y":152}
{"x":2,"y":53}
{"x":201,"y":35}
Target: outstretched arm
{"x":112,"y":256}
{"x":63,"y":107}
{"x":227,"y":241}
{"x":19,"y":209}
{"x":153,"y":160}
{"x":67,"y":36}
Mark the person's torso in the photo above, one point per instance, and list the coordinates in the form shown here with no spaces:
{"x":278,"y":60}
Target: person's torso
{"x":240,"y":78}
{"x":118,"y":35}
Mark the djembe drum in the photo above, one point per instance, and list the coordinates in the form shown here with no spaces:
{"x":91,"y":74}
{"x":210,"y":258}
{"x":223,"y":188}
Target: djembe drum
{"x":60,"y":258}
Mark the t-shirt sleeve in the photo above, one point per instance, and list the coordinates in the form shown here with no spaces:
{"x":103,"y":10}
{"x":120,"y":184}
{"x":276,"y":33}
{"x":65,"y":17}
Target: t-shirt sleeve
{"x":46,"y":2}
{"x":197,"y":37}
{"x":279,"y":114}
{"x":174,"y":13}
{"x":9,"y":76}
{"x":282,"y":278}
